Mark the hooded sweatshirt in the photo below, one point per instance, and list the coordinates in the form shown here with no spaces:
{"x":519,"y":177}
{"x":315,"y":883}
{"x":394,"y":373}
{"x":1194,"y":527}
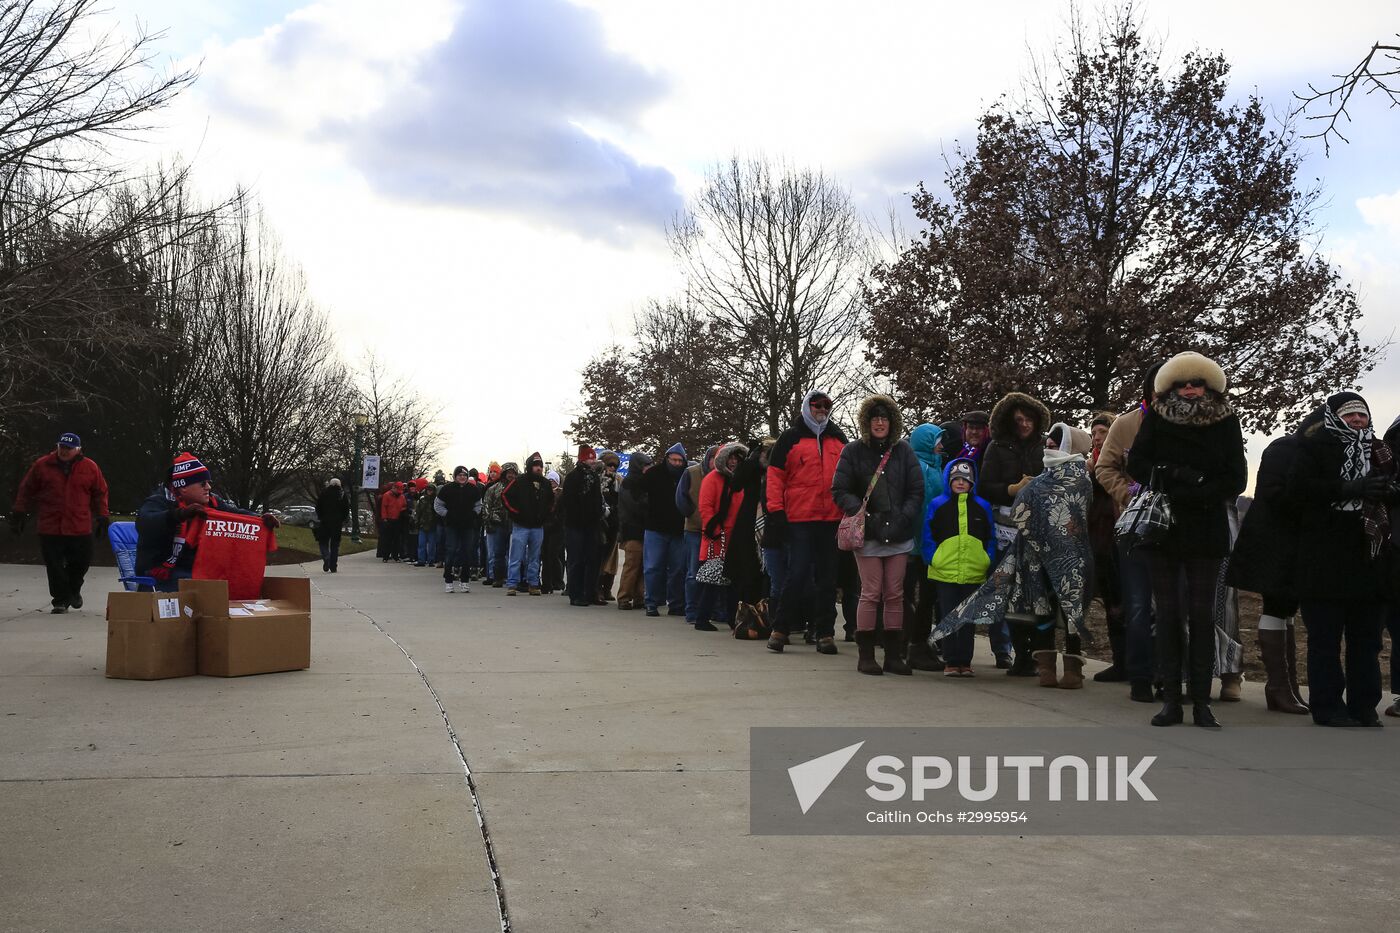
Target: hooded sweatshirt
{"x":802,"y":467}
{"x":925,"y":440}
{"x":530,"y":497}
{"x":658,"y":486}
{"x":688,"y":489}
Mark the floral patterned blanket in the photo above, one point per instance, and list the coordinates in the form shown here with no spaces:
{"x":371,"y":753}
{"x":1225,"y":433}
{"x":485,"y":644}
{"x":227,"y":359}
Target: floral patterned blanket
{"x":1044,"y":573}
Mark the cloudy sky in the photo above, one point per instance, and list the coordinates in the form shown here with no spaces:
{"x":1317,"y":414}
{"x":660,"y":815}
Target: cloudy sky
{"x":478,"y":189}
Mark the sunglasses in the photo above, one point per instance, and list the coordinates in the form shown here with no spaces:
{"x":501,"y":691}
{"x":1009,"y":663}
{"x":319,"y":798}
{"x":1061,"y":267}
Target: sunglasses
{"x":1193,"y":383}
{"x":820,"y":406}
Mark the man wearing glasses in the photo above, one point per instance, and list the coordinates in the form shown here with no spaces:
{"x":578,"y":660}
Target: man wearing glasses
{"x":803,"y":514}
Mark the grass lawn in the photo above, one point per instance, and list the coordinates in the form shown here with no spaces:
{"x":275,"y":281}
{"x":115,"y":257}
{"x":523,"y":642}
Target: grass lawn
{"x":301,"y":539}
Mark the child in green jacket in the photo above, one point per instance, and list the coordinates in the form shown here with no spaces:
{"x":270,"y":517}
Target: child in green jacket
{"x":959,"y":543}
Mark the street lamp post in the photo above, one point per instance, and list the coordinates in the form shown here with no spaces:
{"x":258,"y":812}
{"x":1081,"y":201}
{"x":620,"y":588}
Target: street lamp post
{"x":356,"y":471}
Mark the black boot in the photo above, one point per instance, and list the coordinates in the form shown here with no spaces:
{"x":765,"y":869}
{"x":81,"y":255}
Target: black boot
{"x":1024,"y":663}
{"x":1115,"y":672}
{"x":1169,"y":661}
{"x":894,"y":651}
{"x":1140,"y":691}
{"x":1201,"y":664}
{"x":865,"y":654}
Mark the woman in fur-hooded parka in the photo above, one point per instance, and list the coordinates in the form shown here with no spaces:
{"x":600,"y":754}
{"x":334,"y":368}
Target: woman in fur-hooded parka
{"x":891,"y":523}
{"x":1010,"y":456}
{"x":1190,"y":441}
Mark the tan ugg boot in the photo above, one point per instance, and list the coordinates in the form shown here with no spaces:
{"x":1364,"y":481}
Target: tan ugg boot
{"x":1045,"y":667}
{"x":1231,"y":687}
{"x":1074,"y":673}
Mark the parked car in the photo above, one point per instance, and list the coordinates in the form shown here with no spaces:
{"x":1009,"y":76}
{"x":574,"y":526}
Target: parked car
{"x":301,"y":516}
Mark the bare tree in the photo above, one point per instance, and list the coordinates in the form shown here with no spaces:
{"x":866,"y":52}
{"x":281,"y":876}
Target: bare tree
{"x":676,"y":381}
{"x":775,"y":254}
{"x":1377,"y":72}
{"x":277,"y":393}
{"x":65,"y":93}
{"x":401,"y":426}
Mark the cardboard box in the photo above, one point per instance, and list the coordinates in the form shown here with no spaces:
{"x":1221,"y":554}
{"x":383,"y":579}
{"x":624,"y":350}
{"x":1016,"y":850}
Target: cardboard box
{"x":244,"y":636}
{"x":150,"y":636}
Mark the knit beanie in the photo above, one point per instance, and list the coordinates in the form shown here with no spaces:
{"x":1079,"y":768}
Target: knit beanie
{"x":1348,"y":403}
{"x":962,"y":469}
{"x":187,"y":469}
{"x":586,"y":454}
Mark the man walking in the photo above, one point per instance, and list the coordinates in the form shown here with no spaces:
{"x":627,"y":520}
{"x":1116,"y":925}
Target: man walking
{"x":69,"y":493}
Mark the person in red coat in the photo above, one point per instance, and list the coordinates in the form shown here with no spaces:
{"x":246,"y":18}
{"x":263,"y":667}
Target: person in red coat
{"x":720,"y":500}
{"x":69,"y":493}
{"x":803,"y":516}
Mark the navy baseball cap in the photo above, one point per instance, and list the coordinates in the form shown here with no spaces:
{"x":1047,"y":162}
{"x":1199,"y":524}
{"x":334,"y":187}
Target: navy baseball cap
{"x":69,"y":440}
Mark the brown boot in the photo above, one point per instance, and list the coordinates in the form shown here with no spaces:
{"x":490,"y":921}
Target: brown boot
{"x":1231,"y":688}
{"x":1074,"y":673}
{"x":865,"y":653}
{"x":1278,"y":694}
{"x":1290,"y":658}
{"x":1045,"y":667}
{"x":894,"y":652}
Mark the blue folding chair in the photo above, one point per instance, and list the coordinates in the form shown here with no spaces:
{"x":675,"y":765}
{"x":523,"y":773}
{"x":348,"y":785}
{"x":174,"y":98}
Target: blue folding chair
{"x":122,"y":537}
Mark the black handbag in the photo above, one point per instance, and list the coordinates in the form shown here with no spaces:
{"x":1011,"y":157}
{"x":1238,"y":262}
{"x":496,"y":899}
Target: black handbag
{"x":1148,"y":517}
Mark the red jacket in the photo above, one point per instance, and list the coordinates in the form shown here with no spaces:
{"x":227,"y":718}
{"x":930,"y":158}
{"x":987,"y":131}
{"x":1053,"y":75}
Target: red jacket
{"x":391,"y":506}
{"x":800,"y":471}
{"x":711,"y":495}
{"x":66,"y":502}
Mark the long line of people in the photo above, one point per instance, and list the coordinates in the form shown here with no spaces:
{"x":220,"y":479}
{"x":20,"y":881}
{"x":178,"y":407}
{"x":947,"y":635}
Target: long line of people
{"x":1003,"y":520}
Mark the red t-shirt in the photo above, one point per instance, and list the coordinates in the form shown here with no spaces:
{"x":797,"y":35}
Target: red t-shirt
{"x":233,"y":548}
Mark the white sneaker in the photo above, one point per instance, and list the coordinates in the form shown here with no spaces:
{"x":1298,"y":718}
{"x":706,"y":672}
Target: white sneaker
{"x":449,"y":587}
{"x":466,"y":587}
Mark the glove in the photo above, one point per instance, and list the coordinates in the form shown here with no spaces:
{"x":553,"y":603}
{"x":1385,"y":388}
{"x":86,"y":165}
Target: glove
{"x":775,"y":528}
{"x":187,"y":512}
{"x":1368,"y":487}
{"x":100,"y":528}
{"x":1017,"y":486}
{"x":1187,"y":476}
{"x":18,"y":520}
{"x":271,"y":520}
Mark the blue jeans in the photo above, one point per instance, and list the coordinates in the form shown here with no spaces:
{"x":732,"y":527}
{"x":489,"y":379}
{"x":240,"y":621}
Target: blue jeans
{"x":427,"y":547}
{"x":1138,"y":652}
{"x":811,"y":581}
{"x":692,"y":566}
{"x":525,"y":547}
{"x":330,"y":549}
{"x":716,"y":604}
{"x":775,"y":565}
{"x":957,"y":647}
{"x":453,"y":557}
{"x":663,"y":564}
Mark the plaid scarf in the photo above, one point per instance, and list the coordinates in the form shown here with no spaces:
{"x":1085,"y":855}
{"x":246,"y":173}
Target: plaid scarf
{"x":1363,"y":454}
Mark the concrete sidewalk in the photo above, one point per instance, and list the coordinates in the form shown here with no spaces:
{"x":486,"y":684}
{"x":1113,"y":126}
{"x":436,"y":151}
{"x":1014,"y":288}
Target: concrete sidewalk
{"x":609,"y":752}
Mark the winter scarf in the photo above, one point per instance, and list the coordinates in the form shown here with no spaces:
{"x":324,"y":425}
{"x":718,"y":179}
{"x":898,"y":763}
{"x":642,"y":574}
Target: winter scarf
{"x":1193,"y":412}
{"x":1362,"y":454}
{"x":1045,"y":568}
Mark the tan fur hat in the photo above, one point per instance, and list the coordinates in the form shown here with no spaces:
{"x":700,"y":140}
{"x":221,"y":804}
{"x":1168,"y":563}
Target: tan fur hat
{"x":1187,"y":366}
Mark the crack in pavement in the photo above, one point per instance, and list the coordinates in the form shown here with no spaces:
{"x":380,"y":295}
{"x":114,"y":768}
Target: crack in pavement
{"x":490,"y":847}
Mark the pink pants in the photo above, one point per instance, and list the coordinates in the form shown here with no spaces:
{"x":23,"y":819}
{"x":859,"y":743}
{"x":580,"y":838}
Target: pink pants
{"x":881,"y":580}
